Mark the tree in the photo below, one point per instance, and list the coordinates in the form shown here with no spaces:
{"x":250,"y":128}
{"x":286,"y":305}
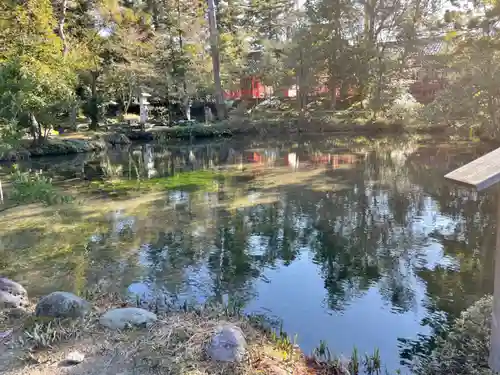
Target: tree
{"x":36,"y":82}
{"x":471,"y":97}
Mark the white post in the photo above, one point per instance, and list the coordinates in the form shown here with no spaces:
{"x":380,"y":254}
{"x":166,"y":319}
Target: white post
{"x":143,"y":104}
{"x":494,"y":360}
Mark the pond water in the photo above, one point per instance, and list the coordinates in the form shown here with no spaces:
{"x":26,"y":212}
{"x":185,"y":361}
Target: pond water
{"x":356,"y":242}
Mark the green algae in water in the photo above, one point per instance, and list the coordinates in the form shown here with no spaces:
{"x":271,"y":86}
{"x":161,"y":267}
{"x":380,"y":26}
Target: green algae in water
{"x":204,"y":180}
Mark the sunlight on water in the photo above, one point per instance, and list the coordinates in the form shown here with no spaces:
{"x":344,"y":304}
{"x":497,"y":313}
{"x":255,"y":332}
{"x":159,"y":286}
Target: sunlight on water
{"x":362,"y":245}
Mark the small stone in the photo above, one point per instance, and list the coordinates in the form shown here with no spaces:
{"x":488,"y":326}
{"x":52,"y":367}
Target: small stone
{"x":73,"y":359}
{"x":126,"y":317}
{"x":6,"y":334}
{"x":12,"y":295}
{"x":62,"y":305}
{"x":228,"y":344}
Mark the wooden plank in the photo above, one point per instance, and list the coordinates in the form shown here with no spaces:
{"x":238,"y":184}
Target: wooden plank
{"x":480,"y":173}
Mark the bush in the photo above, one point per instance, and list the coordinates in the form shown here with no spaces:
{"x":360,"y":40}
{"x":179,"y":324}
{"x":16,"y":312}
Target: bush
{"x":465,"y":350}
{"x":33,"y":187}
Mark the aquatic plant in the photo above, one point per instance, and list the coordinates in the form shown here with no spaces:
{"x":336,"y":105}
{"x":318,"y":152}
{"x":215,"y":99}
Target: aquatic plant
{"x":370,"y":365}
{"x":35,"y":187}
{"x":205,"y":180}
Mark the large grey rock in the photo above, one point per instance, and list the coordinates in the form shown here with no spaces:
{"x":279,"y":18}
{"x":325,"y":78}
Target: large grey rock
{"x":62,"y":305}
{"x":12,"y":294}
{"x":228,"y":344}
{"x":116,"y":139}
{"x":127,"y":317}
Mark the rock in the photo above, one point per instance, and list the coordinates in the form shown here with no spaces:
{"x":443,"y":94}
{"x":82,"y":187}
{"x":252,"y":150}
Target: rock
{"x":12,"y":295}
{"x":126,"y":317}
{"x":14,"y":154}
{"x":228,"y":344}
{"x":6,"y":334}
{"x":73,"y":359}
{"x":62,"y":305}
{"x":92,"y":170}
{"x":116,"y":139}
{"x":140,"y":135}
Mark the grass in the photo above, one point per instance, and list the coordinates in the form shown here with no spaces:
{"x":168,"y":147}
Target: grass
{"x":205,"y":180}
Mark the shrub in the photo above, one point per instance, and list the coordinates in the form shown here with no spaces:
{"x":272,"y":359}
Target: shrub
{"x":32,"y":187}
{"x":465,"y":350}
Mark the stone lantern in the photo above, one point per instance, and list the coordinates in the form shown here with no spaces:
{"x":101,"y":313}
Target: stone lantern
{"x":143,"y":104}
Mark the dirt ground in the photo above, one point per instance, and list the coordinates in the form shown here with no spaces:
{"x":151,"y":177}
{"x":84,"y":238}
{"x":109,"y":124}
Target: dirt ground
{"x":174,"y":345}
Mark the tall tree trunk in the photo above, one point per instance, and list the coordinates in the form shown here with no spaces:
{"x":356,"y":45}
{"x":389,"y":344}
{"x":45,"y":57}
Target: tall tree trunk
{"x":73,"y":116}
{"x":62,"y":20}
{"x":493,"y":114}
{"x":332,"y":83}
{"x":35,"y":128}
{"x":300,"y":86}
{"x":186,"y":101}
{"x":214,"y":41}
{"x":94,"y":109}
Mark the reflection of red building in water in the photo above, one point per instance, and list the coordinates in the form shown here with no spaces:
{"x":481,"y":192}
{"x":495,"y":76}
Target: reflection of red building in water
{"x":270,"y":157}
{"x":335,"y":160}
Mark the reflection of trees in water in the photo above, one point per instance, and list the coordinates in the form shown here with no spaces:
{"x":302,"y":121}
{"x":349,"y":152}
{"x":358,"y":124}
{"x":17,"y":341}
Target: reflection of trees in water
{"x":372,"y":234}
{"x":359,"y":236}
{"x":470,"y":243}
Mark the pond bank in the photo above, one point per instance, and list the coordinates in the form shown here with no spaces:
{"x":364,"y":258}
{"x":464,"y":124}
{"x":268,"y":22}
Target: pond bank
{"x":72,"y":143}
{"x":52,"y":147}
{"x":109,"y":334}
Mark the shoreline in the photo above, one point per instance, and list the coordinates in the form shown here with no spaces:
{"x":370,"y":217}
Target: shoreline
{"x":40,"y":337}
{"x":75,"y":143}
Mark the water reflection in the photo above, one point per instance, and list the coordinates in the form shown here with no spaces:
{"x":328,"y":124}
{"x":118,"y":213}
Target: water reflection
{"x":357,"y":244}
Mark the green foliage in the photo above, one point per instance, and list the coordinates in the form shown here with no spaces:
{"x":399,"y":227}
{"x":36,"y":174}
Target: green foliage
{"x":10,"y":136}
{"x":465,"y":348}
{"x":197,"y":180}
{"x":94,"y":108}
{"x":370,"y":364}
{"x":33,"y":187}
{"x":35,"y":81}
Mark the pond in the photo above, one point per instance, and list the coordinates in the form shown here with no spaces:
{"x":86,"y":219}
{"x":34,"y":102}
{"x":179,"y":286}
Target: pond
{"x":352,"y":241}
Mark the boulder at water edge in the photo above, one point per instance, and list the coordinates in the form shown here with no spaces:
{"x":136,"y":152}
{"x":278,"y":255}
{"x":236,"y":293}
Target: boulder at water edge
{"x":116,"y":139}
{"x":127,"y":317}
{"x":228,"y":344}
{"x":62,"y":305}
{"x":12,"y":295}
